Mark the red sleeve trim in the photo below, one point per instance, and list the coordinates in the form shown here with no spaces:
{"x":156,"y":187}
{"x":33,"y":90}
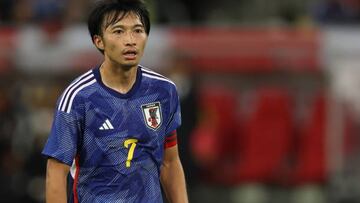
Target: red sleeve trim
{"x":76,"y":179}
{"x":171,"y":140}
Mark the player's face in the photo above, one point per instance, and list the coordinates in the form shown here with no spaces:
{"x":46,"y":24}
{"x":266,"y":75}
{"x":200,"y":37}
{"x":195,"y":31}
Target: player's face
{"x":124,"y":41}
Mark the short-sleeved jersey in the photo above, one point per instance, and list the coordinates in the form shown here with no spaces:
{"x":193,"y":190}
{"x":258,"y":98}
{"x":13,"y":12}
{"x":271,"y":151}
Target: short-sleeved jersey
{"x":114,"y":142}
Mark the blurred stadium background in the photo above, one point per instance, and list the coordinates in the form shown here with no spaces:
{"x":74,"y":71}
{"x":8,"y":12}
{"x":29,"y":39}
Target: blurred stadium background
{"x":269,"y":90}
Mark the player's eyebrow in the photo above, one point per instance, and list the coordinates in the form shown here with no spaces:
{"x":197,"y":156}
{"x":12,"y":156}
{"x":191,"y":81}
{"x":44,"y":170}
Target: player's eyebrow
{"x":123,"y":26}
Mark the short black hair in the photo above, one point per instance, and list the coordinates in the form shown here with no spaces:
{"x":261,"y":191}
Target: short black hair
{"x":114,"y":11}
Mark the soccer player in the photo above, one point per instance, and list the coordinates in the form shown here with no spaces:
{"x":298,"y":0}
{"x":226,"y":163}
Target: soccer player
{"x":115,"y":126}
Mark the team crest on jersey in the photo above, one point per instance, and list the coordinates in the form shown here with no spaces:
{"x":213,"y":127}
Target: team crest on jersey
{"x":152,"y":115}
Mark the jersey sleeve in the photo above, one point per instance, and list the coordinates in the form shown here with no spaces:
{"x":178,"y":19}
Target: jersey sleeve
{"x":63,"y":140}
{"x":175,"y":114}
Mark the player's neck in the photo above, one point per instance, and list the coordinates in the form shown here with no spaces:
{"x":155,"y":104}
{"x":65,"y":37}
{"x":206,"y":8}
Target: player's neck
{"x":118,"y":78}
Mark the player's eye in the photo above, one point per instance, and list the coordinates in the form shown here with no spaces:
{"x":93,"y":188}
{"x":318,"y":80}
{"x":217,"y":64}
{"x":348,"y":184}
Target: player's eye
{"x":139,"y":30}
{"x":118,"y":31}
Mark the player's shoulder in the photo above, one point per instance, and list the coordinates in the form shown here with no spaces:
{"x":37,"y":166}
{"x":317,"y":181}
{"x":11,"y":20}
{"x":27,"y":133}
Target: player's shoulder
{"x":74,"y":89}
{"x":156,"y":78}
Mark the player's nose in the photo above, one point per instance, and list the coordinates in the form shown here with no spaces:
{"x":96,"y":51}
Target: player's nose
{"x":129,"y":39}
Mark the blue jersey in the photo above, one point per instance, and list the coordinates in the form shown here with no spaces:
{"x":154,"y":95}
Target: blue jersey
{"x":114,"y":142}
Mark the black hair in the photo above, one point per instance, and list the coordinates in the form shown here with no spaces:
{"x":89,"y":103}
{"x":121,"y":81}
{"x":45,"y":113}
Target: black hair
{"x":108,"y":12}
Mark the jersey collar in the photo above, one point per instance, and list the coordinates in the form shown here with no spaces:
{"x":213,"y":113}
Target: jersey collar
{"x":115,"y":93}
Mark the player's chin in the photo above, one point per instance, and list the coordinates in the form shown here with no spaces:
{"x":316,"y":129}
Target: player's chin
{"x":129,"y":65}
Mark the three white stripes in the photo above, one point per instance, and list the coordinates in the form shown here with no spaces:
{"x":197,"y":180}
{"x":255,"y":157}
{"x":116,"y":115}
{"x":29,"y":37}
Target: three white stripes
{"x":155,"y":75}
{"x":70,"y":92}
{"x":80,"y":88}
{"x":106,"y":125}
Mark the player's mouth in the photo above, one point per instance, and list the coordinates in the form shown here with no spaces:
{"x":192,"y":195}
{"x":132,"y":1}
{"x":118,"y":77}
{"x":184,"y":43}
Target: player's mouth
{"x":130,"y":54}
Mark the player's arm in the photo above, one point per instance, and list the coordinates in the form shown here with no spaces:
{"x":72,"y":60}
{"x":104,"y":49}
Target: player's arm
{"x":56,"y":180}
{"x":172,"y":177}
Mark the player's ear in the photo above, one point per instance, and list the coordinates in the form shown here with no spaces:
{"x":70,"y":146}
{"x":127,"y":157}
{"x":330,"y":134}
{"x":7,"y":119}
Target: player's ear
{"x":98,"y":42}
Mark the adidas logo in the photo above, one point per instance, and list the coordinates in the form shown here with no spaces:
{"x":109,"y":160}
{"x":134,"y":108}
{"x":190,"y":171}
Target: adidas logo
{"x":106,"y":125}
